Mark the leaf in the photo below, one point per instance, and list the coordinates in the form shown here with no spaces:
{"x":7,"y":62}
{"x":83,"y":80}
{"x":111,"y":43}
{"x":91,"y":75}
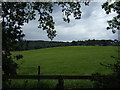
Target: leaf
{"x":114,"y":31}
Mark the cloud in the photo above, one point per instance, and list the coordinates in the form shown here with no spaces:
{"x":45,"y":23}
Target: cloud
{"x":92,"y":25}
{"x":32,"y":32}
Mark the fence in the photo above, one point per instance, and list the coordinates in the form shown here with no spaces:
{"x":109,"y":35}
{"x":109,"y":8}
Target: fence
{"x":60,"y":78}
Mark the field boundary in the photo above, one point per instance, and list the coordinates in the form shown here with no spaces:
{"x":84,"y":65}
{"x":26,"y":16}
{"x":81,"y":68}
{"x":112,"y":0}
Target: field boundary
{"x":47,"y":77}
{"x":60,"y":78}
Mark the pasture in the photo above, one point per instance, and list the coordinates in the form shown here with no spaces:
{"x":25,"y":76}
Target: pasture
{"x":70,"y":60}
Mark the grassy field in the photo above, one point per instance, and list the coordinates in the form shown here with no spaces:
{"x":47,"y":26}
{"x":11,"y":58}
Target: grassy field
{"x":72,"y":60}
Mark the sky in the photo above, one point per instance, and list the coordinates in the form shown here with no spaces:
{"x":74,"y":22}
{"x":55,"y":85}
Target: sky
{"x":92,"y":25}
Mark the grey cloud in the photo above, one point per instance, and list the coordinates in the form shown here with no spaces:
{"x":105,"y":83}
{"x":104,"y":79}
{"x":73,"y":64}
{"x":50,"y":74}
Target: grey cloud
{"x":32,"y":32}
{"x":92,"y":25}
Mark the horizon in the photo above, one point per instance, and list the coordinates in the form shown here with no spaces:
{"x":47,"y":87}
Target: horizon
{"x":71,"y":41}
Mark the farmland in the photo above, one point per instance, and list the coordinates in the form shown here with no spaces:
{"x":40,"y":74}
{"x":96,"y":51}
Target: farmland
{"x":70,"y":60}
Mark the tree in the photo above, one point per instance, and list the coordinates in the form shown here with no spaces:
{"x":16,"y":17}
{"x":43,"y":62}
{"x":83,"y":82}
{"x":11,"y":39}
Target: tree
{"x":16,"y":14}
{"x":114,"y":24}
{"x":112,"y":80}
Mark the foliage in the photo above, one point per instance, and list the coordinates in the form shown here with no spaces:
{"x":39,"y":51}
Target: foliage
{"x":16,"y":14}
{"x":13,"y":19}
{"x":114,"y":24}
{"x":112,"y":80}
{"x":106,"y":81}
{"x":29,"y":45}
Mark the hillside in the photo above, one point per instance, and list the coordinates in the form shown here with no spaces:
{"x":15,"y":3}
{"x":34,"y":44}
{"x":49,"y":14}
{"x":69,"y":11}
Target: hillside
{"x":72,"y":60}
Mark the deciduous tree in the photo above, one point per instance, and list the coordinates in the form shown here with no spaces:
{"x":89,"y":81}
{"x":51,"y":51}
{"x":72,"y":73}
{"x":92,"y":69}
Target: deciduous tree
{"x":16,"y":14}
{"x":112,"y":80}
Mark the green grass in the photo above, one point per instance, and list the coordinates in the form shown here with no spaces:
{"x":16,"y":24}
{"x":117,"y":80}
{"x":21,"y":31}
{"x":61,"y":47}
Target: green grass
{"x":72,"y":60}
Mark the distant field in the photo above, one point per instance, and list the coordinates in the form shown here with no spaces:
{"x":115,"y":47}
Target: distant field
{"x":70,"y":60}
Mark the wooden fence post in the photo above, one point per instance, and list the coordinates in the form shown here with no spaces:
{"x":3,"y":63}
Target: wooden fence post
{"x":38,"y":69}
{"x":38,"y":72}
{"x":60,"y":85}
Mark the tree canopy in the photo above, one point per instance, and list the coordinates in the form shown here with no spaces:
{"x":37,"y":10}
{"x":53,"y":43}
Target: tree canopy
{"x":16,"y":14}
{"x":114,"y":24}
{"x":112,"y":80}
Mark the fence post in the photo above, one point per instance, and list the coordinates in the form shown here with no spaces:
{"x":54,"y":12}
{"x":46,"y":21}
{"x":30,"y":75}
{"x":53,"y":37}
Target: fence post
{"x":38,"y":72}
{"x":38,"y":69}
{"x":60,"y":85}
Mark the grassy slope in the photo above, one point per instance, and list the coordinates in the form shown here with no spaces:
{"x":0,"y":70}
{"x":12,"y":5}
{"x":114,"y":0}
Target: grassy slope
{"x":73,"y":60}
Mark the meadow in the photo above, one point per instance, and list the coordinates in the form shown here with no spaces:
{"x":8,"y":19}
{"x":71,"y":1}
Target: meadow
{"x":69,"y":60}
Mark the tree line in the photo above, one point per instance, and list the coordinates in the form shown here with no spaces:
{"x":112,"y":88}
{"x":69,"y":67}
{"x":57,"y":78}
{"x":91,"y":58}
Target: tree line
{"x":39,"y":44}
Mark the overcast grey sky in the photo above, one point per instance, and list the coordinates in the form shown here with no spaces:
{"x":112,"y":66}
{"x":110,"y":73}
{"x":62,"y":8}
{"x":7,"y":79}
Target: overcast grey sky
{"x":92,"y":25}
